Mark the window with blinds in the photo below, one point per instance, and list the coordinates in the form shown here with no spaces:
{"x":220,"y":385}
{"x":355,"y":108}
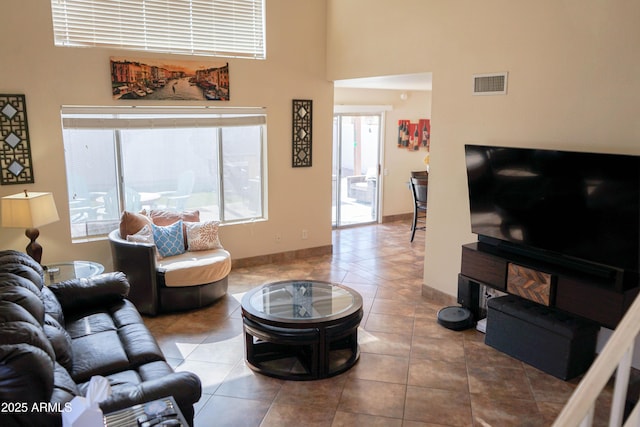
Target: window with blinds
{"x":226,"y":28}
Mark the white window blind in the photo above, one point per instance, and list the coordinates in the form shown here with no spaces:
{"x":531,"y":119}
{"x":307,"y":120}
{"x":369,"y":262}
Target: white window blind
{"x":160,"y":117}
{"x":227,"y":28}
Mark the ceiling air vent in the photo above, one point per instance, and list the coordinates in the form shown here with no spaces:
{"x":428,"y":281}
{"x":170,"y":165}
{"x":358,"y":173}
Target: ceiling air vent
{"x":490,"y":84}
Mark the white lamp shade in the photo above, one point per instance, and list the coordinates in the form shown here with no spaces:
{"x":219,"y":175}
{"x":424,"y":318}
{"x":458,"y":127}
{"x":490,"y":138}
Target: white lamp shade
{"x":29,"y":211}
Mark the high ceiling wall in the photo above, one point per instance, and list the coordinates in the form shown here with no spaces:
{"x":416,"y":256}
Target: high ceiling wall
{"x":299,"y":198}
{"x":573,"y":83}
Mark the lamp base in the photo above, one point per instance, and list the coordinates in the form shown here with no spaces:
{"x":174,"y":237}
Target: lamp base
{"x":34,"y":250}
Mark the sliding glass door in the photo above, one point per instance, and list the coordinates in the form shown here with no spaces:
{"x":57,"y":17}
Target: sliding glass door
{"x":356,"y":159}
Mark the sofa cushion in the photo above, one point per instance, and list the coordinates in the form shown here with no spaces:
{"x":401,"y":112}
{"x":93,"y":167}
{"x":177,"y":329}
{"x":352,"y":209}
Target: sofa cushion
{"x":139,"y":345}
{"x":20,"y":332}
{"x":64,"y":388}
{"x":27,"y":373}
{"x":52,"y":306}
{"x":90,"y":362}
{"x":190,"y":270}
{"x":122,"y":331}
{"x":23,"y":293}
{"x":154,"y":370}
{"x":60,"y":340}
{"x":22,"y":265}
{"x":131,"y":223}
{"x":137,"y":341}
{"x":169,"y":239}
{"x":202,"y":236}
{"x":91,"y":323}
{"x":125,"y":313}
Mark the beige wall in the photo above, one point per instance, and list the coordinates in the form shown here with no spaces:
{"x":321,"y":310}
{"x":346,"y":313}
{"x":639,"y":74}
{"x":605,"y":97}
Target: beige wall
{"x":398,"y":163}
{"x":299,"y":198}
{"x":573,"y":83}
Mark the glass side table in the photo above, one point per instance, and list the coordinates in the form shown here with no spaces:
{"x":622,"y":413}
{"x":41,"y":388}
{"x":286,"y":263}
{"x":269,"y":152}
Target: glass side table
{"x":61,"y":271}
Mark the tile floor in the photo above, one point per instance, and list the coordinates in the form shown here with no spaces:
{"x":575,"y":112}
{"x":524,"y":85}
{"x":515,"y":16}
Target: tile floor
{"x":412,"y":372}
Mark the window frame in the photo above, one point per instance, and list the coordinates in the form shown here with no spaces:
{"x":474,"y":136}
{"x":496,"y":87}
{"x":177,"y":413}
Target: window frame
{"x":132,"y":118}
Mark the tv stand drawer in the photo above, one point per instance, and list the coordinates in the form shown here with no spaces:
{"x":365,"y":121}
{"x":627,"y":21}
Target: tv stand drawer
{"x":534,"y":285}
{"x":484,"y":267}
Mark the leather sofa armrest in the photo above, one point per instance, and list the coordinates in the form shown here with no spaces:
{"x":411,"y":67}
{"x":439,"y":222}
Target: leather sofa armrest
{"x":138,"y":262}
{"x":185,"y":387}
{"x":97,"y":290}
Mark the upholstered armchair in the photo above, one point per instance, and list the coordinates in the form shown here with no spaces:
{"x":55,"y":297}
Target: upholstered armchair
{"x":192,"y":279}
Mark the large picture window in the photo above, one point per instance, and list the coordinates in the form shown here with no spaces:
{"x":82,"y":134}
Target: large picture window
{"x":123,"y":158}
{"x":228,"y":28}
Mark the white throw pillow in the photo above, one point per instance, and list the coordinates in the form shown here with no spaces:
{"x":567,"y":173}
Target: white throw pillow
{"x":145,"y":235}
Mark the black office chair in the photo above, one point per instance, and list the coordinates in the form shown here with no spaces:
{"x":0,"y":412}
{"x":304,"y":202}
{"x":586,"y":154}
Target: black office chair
{"x":419,"y":191}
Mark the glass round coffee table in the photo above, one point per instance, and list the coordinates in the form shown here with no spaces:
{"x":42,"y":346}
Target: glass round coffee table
{"x":301,"y":329}
{"x":61,"y":271}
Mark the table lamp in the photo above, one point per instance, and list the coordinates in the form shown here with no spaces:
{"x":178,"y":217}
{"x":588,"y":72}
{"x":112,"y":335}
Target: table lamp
{"x":29,"y":210}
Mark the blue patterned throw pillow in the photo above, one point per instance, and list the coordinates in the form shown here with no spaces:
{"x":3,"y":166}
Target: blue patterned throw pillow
{"x":169,"y":239}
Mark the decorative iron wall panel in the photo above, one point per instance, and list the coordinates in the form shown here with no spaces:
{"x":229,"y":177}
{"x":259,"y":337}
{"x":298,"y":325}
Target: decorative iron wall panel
{"x":302,"y":126}
{"x":15,"y":151}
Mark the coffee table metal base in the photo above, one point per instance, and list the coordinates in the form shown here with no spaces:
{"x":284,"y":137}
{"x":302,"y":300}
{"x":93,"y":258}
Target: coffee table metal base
{"x":302,"y":354}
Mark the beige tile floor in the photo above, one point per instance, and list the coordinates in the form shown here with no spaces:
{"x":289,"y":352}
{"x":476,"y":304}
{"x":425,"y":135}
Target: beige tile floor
{"x":412,"y":372}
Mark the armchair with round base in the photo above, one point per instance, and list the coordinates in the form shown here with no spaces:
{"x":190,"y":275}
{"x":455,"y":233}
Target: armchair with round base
{"x":419,"y":191}
{"x":182,"y":282}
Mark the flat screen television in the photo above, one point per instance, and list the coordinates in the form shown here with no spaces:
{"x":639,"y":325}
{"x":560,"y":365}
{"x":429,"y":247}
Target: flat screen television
{"x":571,"y":207}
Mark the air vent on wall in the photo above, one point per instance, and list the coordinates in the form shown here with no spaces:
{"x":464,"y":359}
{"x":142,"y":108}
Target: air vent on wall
{"x":490,"y":84}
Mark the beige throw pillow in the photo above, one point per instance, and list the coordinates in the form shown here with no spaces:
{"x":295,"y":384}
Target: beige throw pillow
{"x":202,"y":236}
{"x":131,"y":223}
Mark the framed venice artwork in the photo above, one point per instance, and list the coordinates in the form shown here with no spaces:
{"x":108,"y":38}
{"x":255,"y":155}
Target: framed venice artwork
{"x":163,"y":80}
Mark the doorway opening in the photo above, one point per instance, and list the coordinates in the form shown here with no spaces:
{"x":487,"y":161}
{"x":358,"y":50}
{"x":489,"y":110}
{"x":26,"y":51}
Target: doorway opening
{"x":356,"y":169}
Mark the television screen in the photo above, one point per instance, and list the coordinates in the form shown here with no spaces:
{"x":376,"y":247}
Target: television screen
{"x":579,"y":205}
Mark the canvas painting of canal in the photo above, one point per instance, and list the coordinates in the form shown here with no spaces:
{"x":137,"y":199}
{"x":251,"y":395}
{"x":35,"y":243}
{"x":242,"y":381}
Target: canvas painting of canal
{"x":163,"y":80}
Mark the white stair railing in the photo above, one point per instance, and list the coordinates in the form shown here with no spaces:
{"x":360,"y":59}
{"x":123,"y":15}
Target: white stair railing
{"x":616,"y":355}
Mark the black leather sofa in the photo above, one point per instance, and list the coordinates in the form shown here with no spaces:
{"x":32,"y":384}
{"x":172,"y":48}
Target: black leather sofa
{"x":54,"y":339}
